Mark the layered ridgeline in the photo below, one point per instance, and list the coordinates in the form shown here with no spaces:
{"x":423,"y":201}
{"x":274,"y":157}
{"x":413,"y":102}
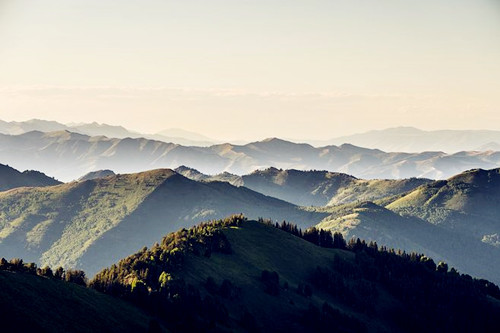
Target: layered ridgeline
{"x":238,"y":275}
{"x":455,"y":220}
{"x":11,"y":178}
{"x":412,"y":139}
{"x":93,"y":223}
{"x":397,"y":139}
{"x":111,"y":131}
{"x":311,"y":188}
{"x":68,"y":155}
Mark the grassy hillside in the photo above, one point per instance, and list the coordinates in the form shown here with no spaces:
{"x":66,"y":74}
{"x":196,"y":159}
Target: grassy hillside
{"x":455,"y":220}
{"x":312,"y":188}
{"x":375,"y":223}
{"x":371,"y":190}
{"x":240,"y":275}
{"x":93,"y":223}
{"x":305,"y":188}
{"x":30,"y":303}
{"x":11,"y":178}
{"x":469,"y":203}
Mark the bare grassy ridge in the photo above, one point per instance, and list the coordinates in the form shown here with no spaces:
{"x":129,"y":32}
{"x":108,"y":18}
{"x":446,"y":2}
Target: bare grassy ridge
{"x":455,"y":220}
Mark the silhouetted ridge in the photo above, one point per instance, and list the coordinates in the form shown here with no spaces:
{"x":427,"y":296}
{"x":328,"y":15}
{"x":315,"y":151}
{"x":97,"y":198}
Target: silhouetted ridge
{"x":11,"y":178}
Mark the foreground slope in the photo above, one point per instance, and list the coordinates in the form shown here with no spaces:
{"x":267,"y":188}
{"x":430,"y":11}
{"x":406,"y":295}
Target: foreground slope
{"x":243,"y":275}
{"x":93,"y":223}
{"x":30,"y":303}
{"x":455,"y":220}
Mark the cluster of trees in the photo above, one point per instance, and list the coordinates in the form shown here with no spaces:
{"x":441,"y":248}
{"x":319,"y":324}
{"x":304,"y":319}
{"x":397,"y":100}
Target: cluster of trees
{"x":148,"y":278}
{"x":148,"y":265}
{"x":70,"y":275}
{"x":313,"y":235}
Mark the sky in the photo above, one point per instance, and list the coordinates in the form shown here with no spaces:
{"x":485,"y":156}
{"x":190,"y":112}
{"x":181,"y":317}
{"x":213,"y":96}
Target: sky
{"x":245,"y":70}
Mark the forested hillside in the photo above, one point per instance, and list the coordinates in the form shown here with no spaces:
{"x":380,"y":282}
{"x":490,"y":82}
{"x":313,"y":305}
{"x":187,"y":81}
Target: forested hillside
{"x":244,"y":275}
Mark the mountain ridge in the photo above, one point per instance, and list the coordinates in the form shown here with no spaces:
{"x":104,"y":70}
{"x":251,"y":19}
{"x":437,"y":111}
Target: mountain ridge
{"x":110,"y":131}
{"x":411,"y":139}
{"x":11,"y":178}
{"x":462,"y":210}
{"x":78,"y":154}
{"x":61,"y":225}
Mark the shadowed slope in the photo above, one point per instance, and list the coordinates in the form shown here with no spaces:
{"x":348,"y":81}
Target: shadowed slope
{"x":180,"y":202}
{"x":30,"y":303}
{"x":11,"y":178}
{"x":241,"y":275}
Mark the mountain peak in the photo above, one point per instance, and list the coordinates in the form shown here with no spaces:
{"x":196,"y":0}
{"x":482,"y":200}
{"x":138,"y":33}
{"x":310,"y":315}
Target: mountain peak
{"x":97,"y":174}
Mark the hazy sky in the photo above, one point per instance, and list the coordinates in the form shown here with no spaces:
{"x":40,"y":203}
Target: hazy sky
{"x":237,"y":69}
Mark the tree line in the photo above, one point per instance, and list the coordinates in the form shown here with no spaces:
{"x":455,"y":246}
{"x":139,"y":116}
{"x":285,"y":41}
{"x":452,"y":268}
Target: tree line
{"x":437,"y":298}
{"x":70,"y":275}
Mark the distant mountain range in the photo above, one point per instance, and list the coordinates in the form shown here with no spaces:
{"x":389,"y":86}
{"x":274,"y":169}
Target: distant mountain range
{"x":67,"y":156}
{"x":92,"y":223}
{"x":410,"y":139}
{"x":396,"y":139}
{"x":173,"y":135}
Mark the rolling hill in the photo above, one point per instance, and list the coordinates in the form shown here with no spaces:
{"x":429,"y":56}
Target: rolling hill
{"x":238,"y":275}
{"x":91,"y":224}
{"x":68,"y":155}
{"x":454,"y":220}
